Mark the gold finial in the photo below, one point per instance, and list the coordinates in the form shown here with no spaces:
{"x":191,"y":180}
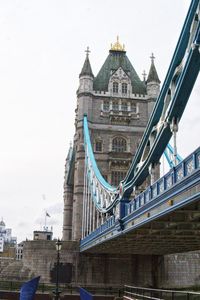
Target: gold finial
{"x":117,"y":46}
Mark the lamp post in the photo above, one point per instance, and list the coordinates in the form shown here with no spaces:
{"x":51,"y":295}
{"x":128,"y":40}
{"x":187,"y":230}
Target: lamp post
{"x":58,"y":248}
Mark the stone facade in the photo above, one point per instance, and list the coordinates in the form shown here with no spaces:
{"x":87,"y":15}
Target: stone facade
{"x":180,"y":270}
{"x":102,"y":270}
{"x":77,"y":269}
{"x":40,"y":256}
{"x":117,"y":104}
{"x":14,"y":270}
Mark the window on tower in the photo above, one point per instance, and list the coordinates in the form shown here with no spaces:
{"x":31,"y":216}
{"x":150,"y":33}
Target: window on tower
{"x":115,"y":106}
{"x":124,"y":88}
{"x":115,"y":87}
{"x":106,"y":106}
{"x":119,"y":144}
{"x":98,"y":146}
{"x":124,"y":106}
{"x":117,"y":176}
{"x":133,"y":107}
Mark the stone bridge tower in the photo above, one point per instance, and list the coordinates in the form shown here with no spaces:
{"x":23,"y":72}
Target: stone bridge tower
{"x":118,"y":104}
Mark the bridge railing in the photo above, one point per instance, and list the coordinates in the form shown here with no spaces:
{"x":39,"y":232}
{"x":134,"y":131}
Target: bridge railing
{"x":175,"y":175}
{"x":133,"y":292}
{"x":109,"y":223}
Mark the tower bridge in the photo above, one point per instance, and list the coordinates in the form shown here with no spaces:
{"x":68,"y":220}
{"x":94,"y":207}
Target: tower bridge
{"x":115,"y":202}
{"x":123,"y":222}
{"x":125,"y":125}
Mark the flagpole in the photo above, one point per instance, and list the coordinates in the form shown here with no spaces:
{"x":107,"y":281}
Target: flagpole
{"x":45,"y":221}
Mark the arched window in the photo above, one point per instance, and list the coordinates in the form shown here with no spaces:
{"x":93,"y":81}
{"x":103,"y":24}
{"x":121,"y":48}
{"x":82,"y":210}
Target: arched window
{"x":124,"y":88}
{"x":115,"y":87}
{"x":98,"y":146}
{"x":119,"y":144}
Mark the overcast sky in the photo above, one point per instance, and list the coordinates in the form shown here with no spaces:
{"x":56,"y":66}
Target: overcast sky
{"x":42,"y":44}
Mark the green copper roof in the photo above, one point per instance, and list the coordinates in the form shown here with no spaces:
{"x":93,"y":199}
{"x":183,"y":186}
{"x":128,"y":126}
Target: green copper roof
{"x":86,"y":70}
{"x":153,"y":75}
{"x":115,"y":60}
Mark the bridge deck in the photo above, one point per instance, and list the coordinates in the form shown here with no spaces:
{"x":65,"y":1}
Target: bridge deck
{"x":176,"y":232}
{"x":166,"y":223}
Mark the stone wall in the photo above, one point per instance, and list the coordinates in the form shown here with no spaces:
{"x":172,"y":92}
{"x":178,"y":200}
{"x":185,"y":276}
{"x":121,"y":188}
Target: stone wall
{"x":103,"y":270}
{"x":114,"y":270}
{"x":9,"y":251}
{"x":180,"y":270}
{"x":170,"y":271}
{"x":85,"y":269}
{"x":40,"y":257}
{"x":4,"y":262}
{"x":14,"y":270}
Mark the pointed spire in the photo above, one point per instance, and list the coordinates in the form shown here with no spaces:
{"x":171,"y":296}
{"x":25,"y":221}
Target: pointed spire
{"x":2,"y":223}
{"x":86,"y":70}
{"x":153,"y":75}
{"x":69,"y":154}
{"x":144,"y":74}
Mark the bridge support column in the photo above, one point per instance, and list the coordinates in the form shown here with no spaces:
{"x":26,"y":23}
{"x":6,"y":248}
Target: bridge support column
{"x":78,"y":194}
{"x":110,"y":270}
{"x":123,"y":207}
{"x":155,"y":269}
{"x":67,"y":214}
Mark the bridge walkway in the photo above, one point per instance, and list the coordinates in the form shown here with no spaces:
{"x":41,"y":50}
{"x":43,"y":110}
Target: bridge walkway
{"x":159,"y":221}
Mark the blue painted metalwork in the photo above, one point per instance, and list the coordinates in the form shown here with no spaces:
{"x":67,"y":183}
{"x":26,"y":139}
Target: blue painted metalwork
{"x":168,"y":157}
{"x":103,"y":194}
{"x":175,"y":175}
{"x":92,"y":158}
{"x":95,"y":175}
{"x":180,"y":78}
{"x":166,"y":188}
{"x":184,"y":85}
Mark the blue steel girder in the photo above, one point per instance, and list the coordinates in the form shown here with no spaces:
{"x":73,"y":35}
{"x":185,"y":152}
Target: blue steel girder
{"x":176,"y":192}
{"x":189,"y":52}
{"x":168,"y":153}
{"x":103,"y":194}
{"x":181,"y":96}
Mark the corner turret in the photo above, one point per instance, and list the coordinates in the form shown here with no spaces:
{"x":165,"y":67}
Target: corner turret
{"x":2,"y":225}
{"x":153,"y":82}
{"x":153,"y":85}
{"x":86,"y":76}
